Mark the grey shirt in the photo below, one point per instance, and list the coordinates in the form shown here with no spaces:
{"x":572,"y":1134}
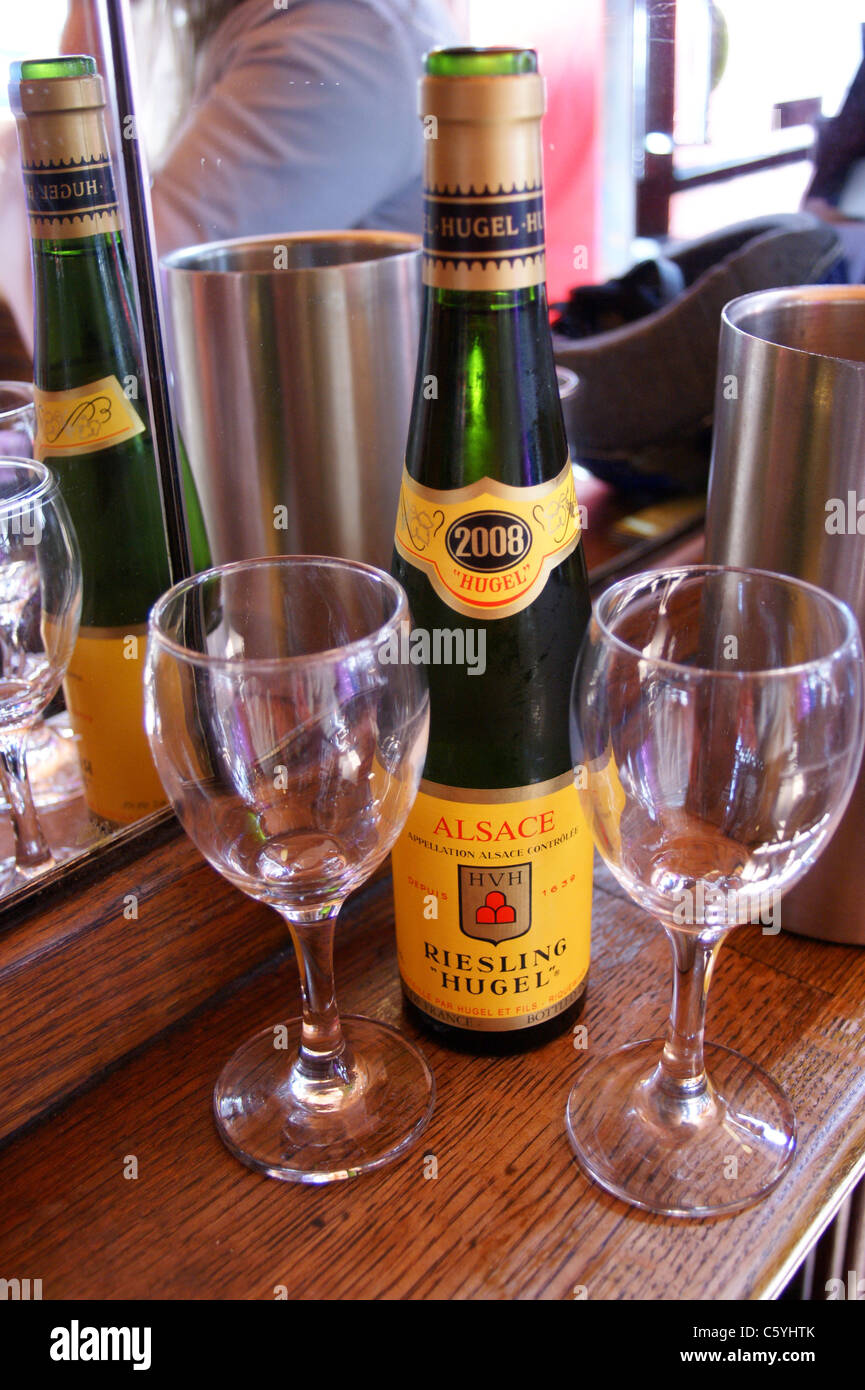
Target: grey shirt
{"x":304,"y":118}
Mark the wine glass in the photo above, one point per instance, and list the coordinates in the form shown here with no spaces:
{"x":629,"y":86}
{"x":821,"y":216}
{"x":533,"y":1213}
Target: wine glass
{"x":717,"y":730}
{"x":292,"y":751}
{"x":40,"y":605}
{"x":52,"y":767}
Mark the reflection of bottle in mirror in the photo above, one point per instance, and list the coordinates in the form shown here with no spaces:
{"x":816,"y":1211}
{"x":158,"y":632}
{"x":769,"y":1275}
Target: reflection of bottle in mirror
{"x":92,"y":422}
{"x":492,"y":875}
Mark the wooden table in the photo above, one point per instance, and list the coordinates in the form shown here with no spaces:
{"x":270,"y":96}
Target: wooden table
{"x":509,"y":1214}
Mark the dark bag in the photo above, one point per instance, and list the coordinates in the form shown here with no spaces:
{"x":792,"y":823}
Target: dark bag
{"x":641,"y":413}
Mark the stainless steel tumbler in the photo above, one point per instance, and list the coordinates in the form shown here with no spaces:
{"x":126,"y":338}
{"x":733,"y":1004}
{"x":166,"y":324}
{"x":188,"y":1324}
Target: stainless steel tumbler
{"x":293,"y":360}
{"x":787,"y":493}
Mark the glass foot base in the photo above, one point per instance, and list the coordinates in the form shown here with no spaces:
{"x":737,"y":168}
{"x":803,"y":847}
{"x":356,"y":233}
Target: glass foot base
{"x":360,"y":1122}
{"x":53,"y":768}
{"x":64,"y":840}
{"x":719,"y":1153}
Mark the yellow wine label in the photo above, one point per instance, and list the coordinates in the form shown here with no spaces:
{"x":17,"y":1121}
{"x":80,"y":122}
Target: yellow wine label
{"x":105,"y":698}
{"x":84,"y":419}
{"x":488,"y":549}
{"x":493,"y":896}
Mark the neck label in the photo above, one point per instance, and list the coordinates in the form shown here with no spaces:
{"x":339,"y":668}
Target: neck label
{"x":74,"y":199}
{"x":484,"y":241}
{"x":488,"y":549}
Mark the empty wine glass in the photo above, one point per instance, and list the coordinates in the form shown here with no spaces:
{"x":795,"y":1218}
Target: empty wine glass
{"x":717,"y":716}
{"x":292,"y":751}
{"x":40,"y":605}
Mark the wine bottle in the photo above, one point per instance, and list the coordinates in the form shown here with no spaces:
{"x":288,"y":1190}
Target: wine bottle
{"x":492,"y":874}
{"x":92,"y":425}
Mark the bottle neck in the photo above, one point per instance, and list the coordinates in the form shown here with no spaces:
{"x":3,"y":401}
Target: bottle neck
{"x":84,"y":322}
{"x":85,"y":331}
{"x":486,"y":400}
{"x":106,"y":250}
{"x":530,"y":300}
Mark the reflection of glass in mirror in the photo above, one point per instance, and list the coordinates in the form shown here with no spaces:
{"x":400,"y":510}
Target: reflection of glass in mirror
{"x":53,"y":769}
{"x":40,"y":604}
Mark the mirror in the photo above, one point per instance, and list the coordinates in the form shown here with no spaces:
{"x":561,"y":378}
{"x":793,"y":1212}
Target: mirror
{"x":666,"y":119}
{"x":99,"y":421}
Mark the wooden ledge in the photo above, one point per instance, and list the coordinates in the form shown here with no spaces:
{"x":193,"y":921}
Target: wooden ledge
{"x":508,"y":1215}
{"x":112,"y":955}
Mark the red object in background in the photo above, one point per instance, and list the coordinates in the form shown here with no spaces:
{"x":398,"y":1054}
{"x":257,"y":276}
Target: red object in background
{"x":569,"y":38}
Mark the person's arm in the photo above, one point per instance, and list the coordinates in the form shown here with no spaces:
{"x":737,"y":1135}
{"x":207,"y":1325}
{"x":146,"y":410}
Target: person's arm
{"x":840,"y":142}
{"x":305,"y":122}
{"x":822,"y":208}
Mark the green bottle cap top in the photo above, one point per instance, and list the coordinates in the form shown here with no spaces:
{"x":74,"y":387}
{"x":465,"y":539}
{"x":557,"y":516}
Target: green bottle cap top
{"x":42,"y":85}
{"x":480,"y":62}
{"x":36,"y":69}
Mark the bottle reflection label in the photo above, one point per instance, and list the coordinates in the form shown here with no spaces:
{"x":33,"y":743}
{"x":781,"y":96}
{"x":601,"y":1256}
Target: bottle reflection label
{"x":75,"y":199}
{"x":84,"y":419}
{"x":104,"y":677}
{"x":498,"y":889}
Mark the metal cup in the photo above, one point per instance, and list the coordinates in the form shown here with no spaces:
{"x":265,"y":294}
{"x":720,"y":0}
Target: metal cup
{"x":293,"y":361}
{"x":787,"y":479}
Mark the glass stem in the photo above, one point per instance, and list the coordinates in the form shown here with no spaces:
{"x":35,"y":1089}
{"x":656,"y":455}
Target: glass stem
{"x":31,"y":847}
{"x":323,"y":1055}
{"x":681,"y":1071}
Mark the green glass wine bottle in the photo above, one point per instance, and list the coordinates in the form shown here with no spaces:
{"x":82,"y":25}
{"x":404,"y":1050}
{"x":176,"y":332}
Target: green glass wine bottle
{"x":92,"y":422}
{"x":492,"y":874}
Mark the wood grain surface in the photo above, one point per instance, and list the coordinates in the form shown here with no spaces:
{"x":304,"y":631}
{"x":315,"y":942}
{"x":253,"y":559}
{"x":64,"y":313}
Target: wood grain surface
{"x":509,"y":1214}
{"x":98,"y":967}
